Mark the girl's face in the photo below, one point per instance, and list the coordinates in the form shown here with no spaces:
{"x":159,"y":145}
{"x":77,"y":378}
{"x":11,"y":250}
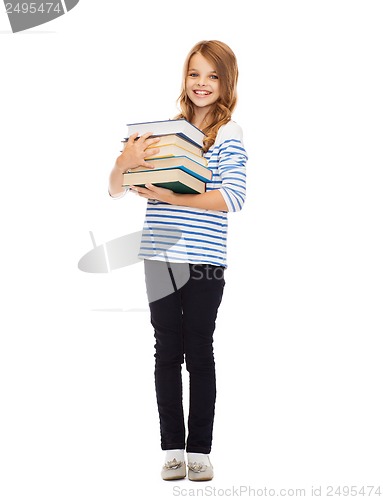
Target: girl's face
{"x":202,"y":83}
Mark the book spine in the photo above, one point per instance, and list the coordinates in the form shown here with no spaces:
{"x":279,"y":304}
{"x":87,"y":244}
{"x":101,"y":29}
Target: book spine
{"x":180,"y":167}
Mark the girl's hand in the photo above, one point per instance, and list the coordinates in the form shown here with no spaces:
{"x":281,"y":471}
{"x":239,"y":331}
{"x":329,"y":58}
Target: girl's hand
{"x":135,"y":152}
{"x":155,"y":193}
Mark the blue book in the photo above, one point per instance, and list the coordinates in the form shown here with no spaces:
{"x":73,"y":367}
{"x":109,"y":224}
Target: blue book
{"x":182,"y":162}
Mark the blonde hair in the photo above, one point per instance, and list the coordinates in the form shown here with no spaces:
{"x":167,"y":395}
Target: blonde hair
{"x":224,"y":61}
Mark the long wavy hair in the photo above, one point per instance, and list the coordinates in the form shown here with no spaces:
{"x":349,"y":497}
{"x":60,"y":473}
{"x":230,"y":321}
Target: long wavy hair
{"x":222,"y":58}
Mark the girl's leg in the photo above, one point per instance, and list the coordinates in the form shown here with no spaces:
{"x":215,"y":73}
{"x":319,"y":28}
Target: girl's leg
{"x":201,"y":297}
{"x":166,"y":318}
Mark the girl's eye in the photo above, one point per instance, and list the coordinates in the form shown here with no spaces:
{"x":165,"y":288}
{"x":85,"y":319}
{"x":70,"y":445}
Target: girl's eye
{"x":193,"y":75}
{"x":214,"y":77}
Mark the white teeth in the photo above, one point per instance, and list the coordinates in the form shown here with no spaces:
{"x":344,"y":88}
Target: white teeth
{"x":202,"y":92}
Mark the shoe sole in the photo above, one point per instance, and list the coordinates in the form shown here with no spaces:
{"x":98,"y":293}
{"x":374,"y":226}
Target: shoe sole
{"x":199,"y":478}
{"x":173,"y":478}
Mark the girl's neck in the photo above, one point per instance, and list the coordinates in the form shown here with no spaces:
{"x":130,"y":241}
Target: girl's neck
{"x":201,"y":118}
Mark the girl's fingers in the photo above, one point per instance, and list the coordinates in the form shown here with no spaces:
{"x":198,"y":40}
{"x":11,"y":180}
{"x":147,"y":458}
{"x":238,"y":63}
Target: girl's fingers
{"x":149,"y":142}
{"x":146,"y":165}
{"x":140,"y":191}
{"x":151,"y":151}
{"x":132,"y":138}
{"x":144,"y":137}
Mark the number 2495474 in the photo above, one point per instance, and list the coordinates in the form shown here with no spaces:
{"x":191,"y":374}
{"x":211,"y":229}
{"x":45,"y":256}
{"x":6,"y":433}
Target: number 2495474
{"x":33,"y":7}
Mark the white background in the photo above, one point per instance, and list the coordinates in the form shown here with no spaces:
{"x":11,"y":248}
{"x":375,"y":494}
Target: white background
{"x":298,"y":339}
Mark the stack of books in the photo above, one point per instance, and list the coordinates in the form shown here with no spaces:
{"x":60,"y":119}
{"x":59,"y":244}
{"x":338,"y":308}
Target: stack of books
{"x":180,"y":164}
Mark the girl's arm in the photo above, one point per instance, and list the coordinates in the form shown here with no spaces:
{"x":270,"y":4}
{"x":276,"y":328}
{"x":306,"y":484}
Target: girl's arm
{"x":211,"y":200}
{"x":115,"y":181}
{"x":230,"y":158}
{"x":133,"y":156}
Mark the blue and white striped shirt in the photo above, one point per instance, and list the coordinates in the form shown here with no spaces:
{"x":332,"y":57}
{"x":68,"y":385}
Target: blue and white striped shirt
{"x":183,"y":234}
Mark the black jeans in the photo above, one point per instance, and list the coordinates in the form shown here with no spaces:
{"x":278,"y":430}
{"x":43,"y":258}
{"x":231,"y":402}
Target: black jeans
{"x":184,"y":323}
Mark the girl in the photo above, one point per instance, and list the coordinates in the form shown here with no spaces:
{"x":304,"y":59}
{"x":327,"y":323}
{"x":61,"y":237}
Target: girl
{"x":184,"y":321}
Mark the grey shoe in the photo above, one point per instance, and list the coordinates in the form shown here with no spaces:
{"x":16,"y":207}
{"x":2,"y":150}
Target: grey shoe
{"x":200,"y":472}
{"x":173,"y":469}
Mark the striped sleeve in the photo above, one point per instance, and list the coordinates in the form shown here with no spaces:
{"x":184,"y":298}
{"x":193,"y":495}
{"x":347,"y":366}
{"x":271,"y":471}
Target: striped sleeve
{"x":232,"y":170}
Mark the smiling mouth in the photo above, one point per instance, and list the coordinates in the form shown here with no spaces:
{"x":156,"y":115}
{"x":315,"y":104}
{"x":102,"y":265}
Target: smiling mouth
{"x":202,"y":92}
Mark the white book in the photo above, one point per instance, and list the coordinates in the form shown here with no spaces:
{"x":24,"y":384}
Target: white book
{"x":181,"y":127}
{"x":173,"y":140}
{"x":182,"y":162}
{"x":171,"y":150}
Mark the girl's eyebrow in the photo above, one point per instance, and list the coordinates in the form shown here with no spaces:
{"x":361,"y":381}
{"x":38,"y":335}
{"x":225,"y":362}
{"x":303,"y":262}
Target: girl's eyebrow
{"x":193,"y":69}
